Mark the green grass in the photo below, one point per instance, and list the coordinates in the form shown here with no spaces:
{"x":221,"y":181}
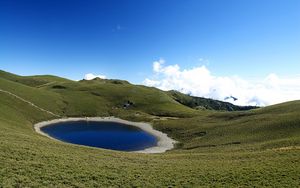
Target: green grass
{"x":34,"y":81}
{"x":253,"y":148}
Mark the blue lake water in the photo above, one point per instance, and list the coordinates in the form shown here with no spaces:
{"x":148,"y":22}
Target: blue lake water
{"x":108,"y":135}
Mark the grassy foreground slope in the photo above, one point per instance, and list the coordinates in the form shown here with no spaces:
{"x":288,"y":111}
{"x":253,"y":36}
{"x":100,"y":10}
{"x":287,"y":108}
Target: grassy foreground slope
{"x":251,"y":148}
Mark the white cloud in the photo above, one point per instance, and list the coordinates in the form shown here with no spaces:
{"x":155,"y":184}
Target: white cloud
{"x":199,"y":81}
{"x":91,"y":76}
{"x":157,"y":65}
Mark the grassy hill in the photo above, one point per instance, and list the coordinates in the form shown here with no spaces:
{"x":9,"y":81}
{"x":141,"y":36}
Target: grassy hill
{"x":259,"y":147}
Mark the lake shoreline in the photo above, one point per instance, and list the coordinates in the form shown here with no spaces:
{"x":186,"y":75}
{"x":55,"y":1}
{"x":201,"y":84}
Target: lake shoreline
{"x":164,"y":143}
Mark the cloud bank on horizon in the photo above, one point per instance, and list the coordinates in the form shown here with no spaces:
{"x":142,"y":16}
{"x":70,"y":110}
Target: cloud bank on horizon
{"x":91,"y":76}
{"x":199,"y":81}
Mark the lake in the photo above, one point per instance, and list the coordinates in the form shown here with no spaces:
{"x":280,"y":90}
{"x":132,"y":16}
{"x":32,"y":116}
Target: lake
{"x":107,"y":135}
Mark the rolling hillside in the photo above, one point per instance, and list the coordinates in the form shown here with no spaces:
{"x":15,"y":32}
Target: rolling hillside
{"x":113,"y":94}
{"x":216,"y":146}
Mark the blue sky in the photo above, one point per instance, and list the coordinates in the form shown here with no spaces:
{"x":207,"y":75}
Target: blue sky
{"x":122,"y":38}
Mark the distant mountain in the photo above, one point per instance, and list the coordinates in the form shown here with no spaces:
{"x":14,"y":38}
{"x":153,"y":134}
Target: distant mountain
{"x":204,"y":103}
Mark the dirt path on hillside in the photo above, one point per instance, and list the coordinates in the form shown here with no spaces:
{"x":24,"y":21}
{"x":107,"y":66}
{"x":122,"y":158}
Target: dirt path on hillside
{"x":28,"y":102}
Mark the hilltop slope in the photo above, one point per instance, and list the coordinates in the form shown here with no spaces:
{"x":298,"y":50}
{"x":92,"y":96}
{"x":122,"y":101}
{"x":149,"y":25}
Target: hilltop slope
{"x":35,"y":81}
